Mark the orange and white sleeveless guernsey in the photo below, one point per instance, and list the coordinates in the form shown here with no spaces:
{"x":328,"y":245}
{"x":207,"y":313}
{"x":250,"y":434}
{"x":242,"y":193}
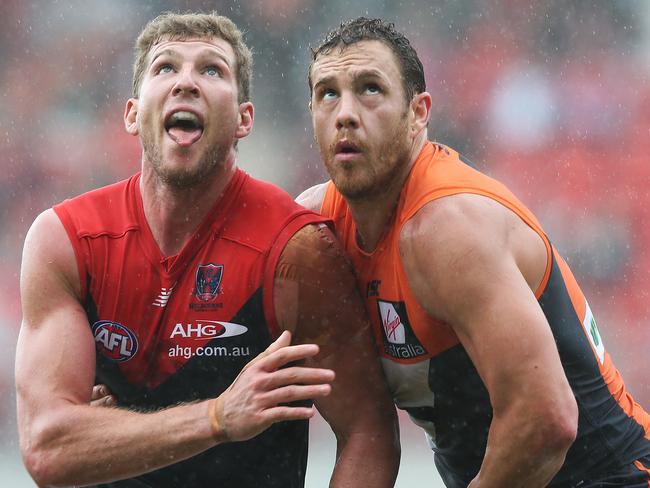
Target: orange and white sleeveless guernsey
{"x":429,"y":372}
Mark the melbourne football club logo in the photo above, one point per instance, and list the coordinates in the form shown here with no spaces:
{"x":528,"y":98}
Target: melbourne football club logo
{"x":114,"y":341}
{"x":400,"y":342}
{"x":208,"y":279}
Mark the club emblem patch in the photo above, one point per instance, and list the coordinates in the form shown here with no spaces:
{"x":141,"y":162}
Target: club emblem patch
{"x":208,"y":279}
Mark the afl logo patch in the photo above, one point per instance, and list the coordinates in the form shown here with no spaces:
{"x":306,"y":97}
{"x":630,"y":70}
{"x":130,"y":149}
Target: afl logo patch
{"x":114,"y":341}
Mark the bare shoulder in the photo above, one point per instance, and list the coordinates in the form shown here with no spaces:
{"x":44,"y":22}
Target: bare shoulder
{"x":313,"y":244}
{"x":48,"y":260}
{"x":457,"y":220}
{"x":450,"y":250}
{"x":461,"y":245}
{"x":313,"y":197}
{"x":314,"y":282}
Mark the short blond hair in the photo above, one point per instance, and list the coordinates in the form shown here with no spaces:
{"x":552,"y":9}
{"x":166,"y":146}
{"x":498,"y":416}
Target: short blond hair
{"x":174,"y":26}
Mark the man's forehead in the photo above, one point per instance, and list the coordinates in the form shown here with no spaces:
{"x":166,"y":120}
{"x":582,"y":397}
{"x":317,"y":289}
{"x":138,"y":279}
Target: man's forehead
{"x":215,"y":45}
{"x":370,"y":55}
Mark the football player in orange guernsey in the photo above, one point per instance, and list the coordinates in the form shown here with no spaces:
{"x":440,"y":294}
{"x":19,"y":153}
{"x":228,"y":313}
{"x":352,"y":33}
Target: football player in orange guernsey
{"x":487,"y":340}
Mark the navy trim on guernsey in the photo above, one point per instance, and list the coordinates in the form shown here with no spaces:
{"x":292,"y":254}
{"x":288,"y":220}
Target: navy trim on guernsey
{"x":261,"y":461}
{"x":608,"y":440}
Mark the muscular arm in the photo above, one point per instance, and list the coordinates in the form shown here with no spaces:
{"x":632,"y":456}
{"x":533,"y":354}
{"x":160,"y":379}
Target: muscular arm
{"x":315,"y":295}
{"x":474,"y":264}
{"x":66,"y":441}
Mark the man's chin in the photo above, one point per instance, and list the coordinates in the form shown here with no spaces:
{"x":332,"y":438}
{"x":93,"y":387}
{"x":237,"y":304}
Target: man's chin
{"x":182,"y":168}
{"x":353,"y":190}
{"x":181,"y":181}
{"x":185,"y":175}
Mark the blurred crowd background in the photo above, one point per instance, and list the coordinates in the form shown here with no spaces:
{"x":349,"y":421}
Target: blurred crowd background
{"x":552,"y":97}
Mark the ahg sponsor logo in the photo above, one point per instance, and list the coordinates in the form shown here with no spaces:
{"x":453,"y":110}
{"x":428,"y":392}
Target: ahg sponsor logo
{"x":114,"y":341}
{"x":207,"y":329}
{"x":399,"y":339}
{"x":185,"y":334}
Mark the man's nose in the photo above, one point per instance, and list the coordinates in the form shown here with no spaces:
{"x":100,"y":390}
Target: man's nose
{"x":348,"y":113}
{"x":185,"y":83}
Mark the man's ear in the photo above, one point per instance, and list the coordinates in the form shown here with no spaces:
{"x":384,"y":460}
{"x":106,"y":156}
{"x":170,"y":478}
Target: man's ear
{"x":130,"y":116}
{"x":246,"y":116}
{"x":421,"y":111}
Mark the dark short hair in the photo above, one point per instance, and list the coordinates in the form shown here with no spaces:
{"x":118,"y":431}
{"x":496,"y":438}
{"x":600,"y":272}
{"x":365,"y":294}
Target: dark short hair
{"x":364,"y":29}
{"x":170,"y":26}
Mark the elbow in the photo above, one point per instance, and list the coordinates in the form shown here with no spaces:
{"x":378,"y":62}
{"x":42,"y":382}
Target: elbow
{"x":39,"y":466}
{"x":558,"y":427}
{"x":41,"y":462}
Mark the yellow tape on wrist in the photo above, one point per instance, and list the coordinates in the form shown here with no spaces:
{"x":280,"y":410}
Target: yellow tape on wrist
{"x":218,"y":434}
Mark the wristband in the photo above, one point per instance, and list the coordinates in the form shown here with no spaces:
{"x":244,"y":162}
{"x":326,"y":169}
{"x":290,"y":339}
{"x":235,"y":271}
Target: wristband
{"x":218,"y":433}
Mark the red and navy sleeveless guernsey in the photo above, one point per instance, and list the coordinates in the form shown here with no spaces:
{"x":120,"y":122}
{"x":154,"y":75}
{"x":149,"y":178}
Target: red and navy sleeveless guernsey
{"x":428,"y":370}
{"x":179,"y":329}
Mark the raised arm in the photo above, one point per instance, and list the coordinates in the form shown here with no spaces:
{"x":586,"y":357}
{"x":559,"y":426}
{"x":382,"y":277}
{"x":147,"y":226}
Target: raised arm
{"x":315,"y":295}
{"x":474,"y":264}
{"x":65,"y":441}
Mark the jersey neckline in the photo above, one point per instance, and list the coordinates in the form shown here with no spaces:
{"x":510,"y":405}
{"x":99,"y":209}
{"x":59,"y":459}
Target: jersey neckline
{"x":211,"y":225}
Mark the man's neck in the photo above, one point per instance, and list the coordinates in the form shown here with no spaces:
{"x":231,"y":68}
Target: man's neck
{"x":175,"y":214}
{"x":374,"y":215}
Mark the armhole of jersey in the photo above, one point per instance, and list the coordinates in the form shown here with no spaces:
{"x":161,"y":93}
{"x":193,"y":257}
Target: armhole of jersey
{"x":530,"y":222}
{"x":62,"y":212}
{"x":327,"y":205}
{"x":295,"y":223}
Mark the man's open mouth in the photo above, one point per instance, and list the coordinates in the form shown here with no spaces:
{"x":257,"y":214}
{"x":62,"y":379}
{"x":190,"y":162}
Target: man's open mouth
{"x":184,"y":127}
{"x":346,"y":147}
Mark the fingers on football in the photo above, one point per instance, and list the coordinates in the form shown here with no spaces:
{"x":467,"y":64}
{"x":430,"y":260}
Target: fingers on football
{"x":282,"y":413}
{"x":293,"y":393}
{"x":107,"y":401}
{"x":299,"y":375}
{"x":99,"y":391}
{"x":283,"y":340}
{"x":101,"y":397}
{"x":287,"y":354}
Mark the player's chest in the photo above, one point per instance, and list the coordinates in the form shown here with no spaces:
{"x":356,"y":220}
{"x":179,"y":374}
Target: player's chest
{"x":404,"y":331}
{"x":142,"y":314}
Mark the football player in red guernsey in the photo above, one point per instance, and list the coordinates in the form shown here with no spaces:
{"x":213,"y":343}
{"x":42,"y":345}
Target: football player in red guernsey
{"x":182,"y":289}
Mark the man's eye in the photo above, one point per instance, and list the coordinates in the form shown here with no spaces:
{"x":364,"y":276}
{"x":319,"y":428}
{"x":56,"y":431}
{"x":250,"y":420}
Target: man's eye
{"x":212,"y":71}
{"x":165,"y":68}
{"x":372,"y":90}
{"x":328,"y":94}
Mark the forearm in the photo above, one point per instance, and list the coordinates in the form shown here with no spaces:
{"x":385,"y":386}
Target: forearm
{"x":79,"y":444}
{"x":366,"y":460}
{"x":521,"y":452}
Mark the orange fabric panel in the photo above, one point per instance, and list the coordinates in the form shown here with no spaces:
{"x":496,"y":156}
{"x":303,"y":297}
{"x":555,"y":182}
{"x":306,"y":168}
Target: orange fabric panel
{"x":641,"y":467}
{"x":611,"y":375}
